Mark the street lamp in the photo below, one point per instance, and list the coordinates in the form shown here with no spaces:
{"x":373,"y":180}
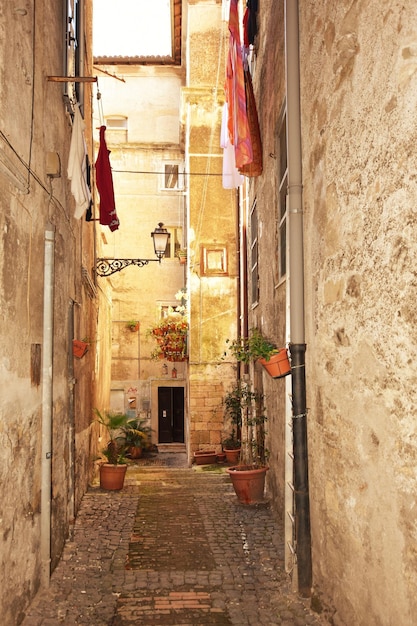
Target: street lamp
{"x":160,"y":236}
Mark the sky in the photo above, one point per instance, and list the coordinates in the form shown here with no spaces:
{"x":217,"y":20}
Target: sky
{"x":132,"y":28}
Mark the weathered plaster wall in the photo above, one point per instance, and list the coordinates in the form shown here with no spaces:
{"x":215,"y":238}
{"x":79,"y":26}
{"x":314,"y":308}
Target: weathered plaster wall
{"x":269,"y":314}
{"x":34,"y":121}
{"x":213,"y":214}
{"x":359,"y":92}
{"x":149,"y":98}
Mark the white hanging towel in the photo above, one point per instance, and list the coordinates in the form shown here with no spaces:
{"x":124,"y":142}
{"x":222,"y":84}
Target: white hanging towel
{"x":231,"y":176}
{"x":77,"y":166}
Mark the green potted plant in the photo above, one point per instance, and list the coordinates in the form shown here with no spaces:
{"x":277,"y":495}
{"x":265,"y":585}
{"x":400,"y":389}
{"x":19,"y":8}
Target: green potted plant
{"x":231,"y":447}
{"x":248,"y":477}
{"x":137,"y":437}
{"x":256,"y":347}
{"x":232,"y":403}
{"x":170,"y":335}
{"x":133,"y":325}
{"x":112,"y":472}
{"x":182,"y":256}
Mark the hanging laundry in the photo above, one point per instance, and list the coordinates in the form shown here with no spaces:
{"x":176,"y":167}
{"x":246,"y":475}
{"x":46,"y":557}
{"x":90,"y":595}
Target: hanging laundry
{"x":235,"y":93}
{"x":104,"y":180}
{"x":250,"y":27}
{"x":89,"y":213}
{"x":231,"y":176}
{"x":77,"y":165}
{"x":255,"y":167}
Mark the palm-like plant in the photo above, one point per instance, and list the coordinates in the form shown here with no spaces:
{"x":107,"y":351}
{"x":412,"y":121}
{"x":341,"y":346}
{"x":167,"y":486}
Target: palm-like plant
{"x":114,"y":424}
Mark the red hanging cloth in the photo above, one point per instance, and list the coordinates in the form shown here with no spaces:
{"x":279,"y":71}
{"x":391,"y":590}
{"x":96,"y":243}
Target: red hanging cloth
{"x":104,"y":180}
{"x":238,"y":126}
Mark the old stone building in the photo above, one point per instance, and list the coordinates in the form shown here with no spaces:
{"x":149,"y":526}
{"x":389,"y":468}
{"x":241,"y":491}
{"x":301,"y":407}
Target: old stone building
{"x":317,"y":252}
{"x":47,"y":292}
{"x":356,"y":75}
{"x":163,"y":115}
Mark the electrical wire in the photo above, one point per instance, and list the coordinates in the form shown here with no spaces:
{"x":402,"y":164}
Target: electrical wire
{"x":163,"y":173}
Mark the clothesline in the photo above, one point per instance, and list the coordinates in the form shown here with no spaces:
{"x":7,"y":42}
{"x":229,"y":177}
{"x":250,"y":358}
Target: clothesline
{"x":163,"y":173}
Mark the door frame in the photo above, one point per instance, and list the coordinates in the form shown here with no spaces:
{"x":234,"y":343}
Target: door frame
{"x":154,"y":405}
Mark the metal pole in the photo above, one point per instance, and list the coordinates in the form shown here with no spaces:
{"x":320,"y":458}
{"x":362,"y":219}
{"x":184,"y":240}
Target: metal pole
{"x":47,"y":361}
{"x":296,"y":272}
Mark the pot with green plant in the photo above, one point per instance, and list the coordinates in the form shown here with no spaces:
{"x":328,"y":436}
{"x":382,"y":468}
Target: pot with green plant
{"x":248,"y":478}
{"x":256,"y":347}
{"x":232,"y":403}
{"x":112,"y":473}
{"x":137,"y":437}
{"x":231,"y":447}
{"x":133,"y":325}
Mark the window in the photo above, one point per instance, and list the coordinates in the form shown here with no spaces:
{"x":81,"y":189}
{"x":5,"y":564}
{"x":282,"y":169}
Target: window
{"x":116,"y":129}
{"x":174,"y":242}
{"x":253,"y":259}
{"x":74,"y":41}
{"x":213,"y":260}
{"x":173,"y":177}
{"x":282,"y":198}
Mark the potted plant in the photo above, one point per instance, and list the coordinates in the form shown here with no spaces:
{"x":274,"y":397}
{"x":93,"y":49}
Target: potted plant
{"x":248,"y":478}
{"x":205,"y":457}
{"x":182,"y":256}
{"x":112,"y":473}
{"x":232,"y":403}
{"x":256,"y":347}
{"x":171,"y":337}
{"x":133,"y":326}
{"x":231,"y":447}
{"x":137,"y":437}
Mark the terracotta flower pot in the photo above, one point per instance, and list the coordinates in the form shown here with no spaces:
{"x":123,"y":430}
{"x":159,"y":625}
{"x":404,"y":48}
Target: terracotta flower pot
{"x":248,"y":483}
{"x":278,"y":365}
{"x":205,"y":457}
{"x":112,"y":477}
{"x":135,"y":452}
{"x":232,"y":454}
{"x":79,"y":348}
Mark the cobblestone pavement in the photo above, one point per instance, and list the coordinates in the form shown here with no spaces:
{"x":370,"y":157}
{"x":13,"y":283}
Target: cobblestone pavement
{"x":174,"y":547}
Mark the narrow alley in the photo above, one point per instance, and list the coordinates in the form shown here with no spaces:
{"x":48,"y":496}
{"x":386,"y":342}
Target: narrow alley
{"x":174,"y":547}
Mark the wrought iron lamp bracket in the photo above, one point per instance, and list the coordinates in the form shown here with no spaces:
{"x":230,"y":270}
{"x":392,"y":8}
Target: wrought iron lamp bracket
{"x":107,"y":267}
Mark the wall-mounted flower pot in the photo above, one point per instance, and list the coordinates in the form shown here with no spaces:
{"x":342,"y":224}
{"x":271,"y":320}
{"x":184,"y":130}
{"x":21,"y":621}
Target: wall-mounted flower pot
{"x":79,"y":348}
{"x":205,"y":457}
{"x":278,"y":365}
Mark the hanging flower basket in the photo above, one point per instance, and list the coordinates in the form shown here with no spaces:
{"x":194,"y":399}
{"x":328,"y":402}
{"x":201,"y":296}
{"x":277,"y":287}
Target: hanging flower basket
{"x":171,"y":336}
{"x":278,"y":365}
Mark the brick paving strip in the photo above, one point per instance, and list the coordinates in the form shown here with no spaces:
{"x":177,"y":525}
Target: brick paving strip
{"x":173,"y":548}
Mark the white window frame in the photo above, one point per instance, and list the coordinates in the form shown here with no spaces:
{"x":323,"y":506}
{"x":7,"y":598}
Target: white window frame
{"x":179,"y":184}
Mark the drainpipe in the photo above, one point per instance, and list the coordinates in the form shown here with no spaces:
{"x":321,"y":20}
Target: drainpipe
{"x":47,"y":405}
{"x":296,"y":277}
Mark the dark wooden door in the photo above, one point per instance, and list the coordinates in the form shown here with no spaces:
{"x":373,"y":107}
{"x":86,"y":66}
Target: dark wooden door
{"x":171,"y":414}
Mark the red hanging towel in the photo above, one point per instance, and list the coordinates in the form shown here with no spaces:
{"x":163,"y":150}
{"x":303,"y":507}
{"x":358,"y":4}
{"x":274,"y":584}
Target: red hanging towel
{"x":104,"y":180}
{"x":235,"y":93}
{"x":255,"y":167}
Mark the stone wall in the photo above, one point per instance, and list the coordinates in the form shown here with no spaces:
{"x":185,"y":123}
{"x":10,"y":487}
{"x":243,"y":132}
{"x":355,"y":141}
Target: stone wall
{"x":34,"y":121}
{"x":212,"y":227}
{"x":359,"y":90}
{"x":358,"y":95}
